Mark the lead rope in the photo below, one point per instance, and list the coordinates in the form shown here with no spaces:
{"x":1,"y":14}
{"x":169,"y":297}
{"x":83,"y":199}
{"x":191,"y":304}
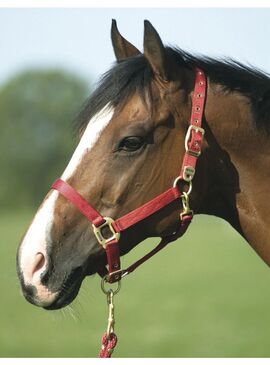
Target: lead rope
{"x":109,"y":339}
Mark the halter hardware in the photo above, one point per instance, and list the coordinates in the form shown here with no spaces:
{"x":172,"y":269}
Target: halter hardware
{"x":186,"y":209}
{"x":188,"y":173}
{"x":109,"y":339}
{"x":190,"y":149}
{"x":99,"y":232}
{"x":188,"y":183}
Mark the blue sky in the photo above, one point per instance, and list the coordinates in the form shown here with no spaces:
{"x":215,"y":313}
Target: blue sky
{"x":79,"y":39}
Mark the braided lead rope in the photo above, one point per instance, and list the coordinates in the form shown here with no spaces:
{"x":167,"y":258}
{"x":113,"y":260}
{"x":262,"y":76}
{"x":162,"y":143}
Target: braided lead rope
{"x":108,"y":345}
{"x":109,"y":339}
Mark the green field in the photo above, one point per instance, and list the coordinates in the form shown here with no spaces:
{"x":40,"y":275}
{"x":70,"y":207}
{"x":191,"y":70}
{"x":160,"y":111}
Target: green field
{"x":207,"y":295}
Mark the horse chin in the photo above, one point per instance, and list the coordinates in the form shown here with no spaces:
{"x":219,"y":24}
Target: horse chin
{"x":52,"y":295}
{"x":71,"y":286}
{"x":64,"y":298}
{"x":68,"y":291}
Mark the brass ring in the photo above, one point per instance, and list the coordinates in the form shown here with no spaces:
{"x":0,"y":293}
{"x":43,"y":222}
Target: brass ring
{"x":189,"y":184}
{"x":103,"y":280}
{"x":176,"y":181}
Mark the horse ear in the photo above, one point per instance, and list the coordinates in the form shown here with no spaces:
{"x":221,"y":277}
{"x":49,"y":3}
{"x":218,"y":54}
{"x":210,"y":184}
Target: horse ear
{"x":122,"y":48}
{"x":154,"y":50}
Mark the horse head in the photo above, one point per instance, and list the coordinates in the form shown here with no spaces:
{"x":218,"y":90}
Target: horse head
{"x":132,"y":141}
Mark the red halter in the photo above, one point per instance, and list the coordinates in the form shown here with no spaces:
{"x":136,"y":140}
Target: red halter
{"x":193,"y":143}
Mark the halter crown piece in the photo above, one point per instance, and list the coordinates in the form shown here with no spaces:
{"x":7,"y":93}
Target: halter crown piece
{"x":100,"y":224}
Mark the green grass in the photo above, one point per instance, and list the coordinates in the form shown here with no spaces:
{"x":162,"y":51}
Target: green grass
{"x":206,"y":295}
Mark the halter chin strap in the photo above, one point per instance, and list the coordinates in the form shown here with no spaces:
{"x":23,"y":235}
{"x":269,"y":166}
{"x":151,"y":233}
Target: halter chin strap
{"x":108,"y":231}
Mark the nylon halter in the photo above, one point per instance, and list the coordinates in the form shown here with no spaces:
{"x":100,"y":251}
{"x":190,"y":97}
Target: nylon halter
{"x":101,"y":225}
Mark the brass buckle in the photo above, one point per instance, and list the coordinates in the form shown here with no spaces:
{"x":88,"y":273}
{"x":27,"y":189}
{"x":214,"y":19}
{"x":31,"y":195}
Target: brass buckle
{"x":188,"y":135}
{"x":99,"y":235}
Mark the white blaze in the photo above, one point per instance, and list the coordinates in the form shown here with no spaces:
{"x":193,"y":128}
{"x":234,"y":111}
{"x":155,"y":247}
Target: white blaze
{"x":38,"y":235}
{"x":88,"y":140}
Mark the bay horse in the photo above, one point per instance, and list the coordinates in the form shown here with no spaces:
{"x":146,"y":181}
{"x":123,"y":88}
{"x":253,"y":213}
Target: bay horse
{"x":133,"y":130}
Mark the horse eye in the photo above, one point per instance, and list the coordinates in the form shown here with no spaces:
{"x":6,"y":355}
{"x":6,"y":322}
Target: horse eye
{"x":131,"y":144}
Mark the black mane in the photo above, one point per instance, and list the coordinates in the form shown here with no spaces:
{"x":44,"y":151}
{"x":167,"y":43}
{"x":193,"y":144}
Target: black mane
{"x":116,"y":85}
{"x":134,"y":75}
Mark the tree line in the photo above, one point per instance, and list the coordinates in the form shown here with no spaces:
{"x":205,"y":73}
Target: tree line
{"x":37,"y":110}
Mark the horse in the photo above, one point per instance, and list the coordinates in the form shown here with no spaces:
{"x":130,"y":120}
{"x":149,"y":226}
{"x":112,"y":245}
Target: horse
{"x":134,"y":132}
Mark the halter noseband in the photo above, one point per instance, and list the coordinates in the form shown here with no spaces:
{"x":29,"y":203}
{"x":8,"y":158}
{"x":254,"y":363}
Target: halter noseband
{"x":101,"y":225}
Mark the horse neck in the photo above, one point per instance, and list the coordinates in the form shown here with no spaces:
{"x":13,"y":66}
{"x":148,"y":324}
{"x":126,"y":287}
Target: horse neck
{"x":237,"y":157}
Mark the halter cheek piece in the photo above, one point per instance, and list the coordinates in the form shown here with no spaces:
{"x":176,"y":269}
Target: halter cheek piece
{"x":102,"y":225}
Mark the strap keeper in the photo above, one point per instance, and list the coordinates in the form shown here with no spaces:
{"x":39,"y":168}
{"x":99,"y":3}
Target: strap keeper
{"x":188,"y":173}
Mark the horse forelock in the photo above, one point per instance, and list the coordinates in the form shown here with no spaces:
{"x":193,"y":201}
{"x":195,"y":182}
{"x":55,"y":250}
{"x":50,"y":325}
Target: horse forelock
{"x":116,"y":86}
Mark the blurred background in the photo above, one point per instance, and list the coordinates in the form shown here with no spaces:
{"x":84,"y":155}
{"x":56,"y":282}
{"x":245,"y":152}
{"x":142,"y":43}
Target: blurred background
{"x":208,"y":294}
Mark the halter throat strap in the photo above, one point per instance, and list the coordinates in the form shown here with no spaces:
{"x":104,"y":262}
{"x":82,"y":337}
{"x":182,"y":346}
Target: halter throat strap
{"x":102,"y":225}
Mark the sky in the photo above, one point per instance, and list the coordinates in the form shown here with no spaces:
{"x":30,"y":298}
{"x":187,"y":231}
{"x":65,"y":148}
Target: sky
{"x":79,"y":39}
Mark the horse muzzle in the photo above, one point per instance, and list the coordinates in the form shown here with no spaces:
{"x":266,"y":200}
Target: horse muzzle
{"x":45,"y":288}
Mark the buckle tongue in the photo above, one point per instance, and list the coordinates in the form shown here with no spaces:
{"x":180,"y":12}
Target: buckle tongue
{"x":99,"y":234}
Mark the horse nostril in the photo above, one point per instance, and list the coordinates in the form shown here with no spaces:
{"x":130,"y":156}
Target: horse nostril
{"x":39,"y":263}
